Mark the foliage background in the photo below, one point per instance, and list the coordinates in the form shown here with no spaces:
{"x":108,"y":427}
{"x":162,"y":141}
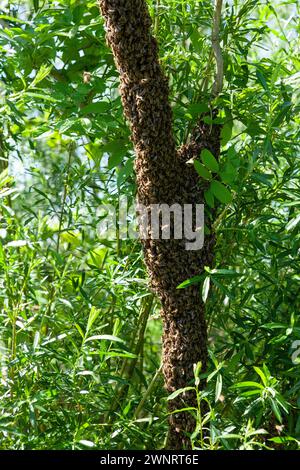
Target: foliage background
{"x":79,"y":331}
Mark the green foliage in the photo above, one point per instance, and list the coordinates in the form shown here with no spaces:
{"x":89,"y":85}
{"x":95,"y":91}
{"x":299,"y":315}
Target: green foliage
{"x":78,"y":370}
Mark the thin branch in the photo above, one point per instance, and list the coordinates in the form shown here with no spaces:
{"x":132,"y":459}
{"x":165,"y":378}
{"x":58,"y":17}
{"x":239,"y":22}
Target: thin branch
{"x":215,"y":39}
{"x":189,"y":148}
{"x":156,"y":19}
{"x":64,"y":196}
{"x":129,"y":367}
{"x":147,"y":393}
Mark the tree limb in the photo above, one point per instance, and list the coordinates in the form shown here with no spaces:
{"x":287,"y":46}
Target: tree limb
{"x":215,"y":39}
{"x":204,"y":135}
{"x":143,"y":85}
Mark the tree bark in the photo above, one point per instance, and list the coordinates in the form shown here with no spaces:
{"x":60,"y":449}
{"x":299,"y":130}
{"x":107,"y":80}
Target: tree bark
{"x":163,"y":176}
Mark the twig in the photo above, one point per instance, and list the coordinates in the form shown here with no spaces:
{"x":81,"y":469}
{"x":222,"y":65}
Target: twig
{"x":156,"y":19}
{"x":147,"y":393}
{"x":215,"y":39}
{"x":64,"y":196}
{"x":128,"y":368}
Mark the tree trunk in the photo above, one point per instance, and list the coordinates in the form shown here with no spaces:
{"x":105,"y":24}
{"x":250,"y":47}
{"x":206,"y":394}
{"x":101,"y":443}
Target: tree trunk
{"x":163,"y":176}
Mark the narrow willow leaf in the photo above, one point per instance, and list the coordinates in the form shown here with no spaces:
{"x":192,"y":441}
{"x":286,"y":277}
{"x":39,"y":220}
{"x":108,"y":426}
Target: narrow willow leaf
{"x":179,"y":392}
{"x":261,"y":78}
{"x":275,"y":409}
{"x":224,"y":272}
{"x":105,"y":337}
{"x":248,"y":383}
{"x":219,"y":384}
{"x":16,"y":243}
{"x":282,"y":440}
{"x":41,"y":74}
{"x":87,"y":443}
{"x":205,"y":288}
{"x":293,"y":223}
{"x":189,"y":282}
{"x":261,"y":374}
{"x":94,"y":313}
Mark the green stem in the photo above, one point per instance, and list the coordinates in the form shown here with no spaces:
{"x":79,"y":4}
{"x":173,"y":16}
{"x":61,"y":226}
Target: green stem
{"x":127,"y":369}
{"x":156,"y":19}
{"x":64,"y":196}
{"x":147,"y":393}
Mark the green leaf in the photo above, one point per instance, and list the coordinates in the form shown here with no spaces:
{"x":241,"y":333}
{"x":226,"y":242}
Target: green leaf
{"x":115,"y":160}
{"x":283,"y":439}
{"x":209,"y":198}
{"x":222,"y":288}
{"x":205,"y":288}
{"x":202,"y":171}
{"x":86,"y":443}
{"x":285,"y":108}
{"x":117,"y":151}
{"x":104,"y":337}
{"x":224,"y":272}
{"x":2,"y":256}
{"x":94,"y":313}
{"x":196,"y":40}
{"x":209,"y":160}
{"x":293,"y":223}
{"x":124,"y":172}
{"x":261,"y":78}
{"x":275,"y":409}
{"x":228,"y":174}
{"x":248,"y":383}
{"x":219,"y":384}
{"x":226,"y":133}
{"x":14,"y":19}
{"x":57,"y":338}
{"x":197,"y":108}
{"x":41,"y":74}
{"x":261,"y":374}
{"x":250,"y":393}
{"x":228,"y":436}
{"x":221,"y":192}
{"x":79,"y":329}
{"x":179,"y":392}
{"x":189,"y":282}
{"x":43,"y":97}
{"x":16,"y":243}
{"x":273,"y":325}
{"x":67,"y":124}
{"x":96,"y":108}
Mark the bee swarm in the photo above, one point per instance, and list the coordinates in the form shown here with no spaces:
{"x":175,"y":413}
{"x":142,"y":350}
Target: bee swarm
{"x":164,"y":177}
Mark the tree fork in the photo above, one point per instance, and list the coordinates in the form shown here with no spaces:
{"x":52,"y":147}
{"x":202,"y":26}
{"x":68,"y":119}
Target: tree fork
{"x":163,"y":176}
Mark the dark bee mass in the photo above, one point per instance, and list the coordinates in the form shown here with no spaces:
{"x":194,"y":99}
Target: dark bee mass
{"x":163,"y":177}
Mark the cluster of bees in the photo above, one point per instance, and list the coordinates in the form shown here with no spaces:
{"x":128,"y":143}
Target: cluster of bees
{"x":163,"y":177}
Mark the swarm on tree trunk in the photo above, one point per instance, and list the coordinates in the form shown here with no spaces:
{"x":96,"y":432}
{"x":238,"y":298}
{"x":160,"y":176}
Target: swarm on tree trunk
{"x":163,"y":176}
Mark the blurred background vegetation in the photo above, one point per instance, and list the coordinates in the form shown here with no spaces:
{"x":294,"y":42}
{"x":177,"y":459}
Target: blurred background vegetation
{"x":79,"y":330}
